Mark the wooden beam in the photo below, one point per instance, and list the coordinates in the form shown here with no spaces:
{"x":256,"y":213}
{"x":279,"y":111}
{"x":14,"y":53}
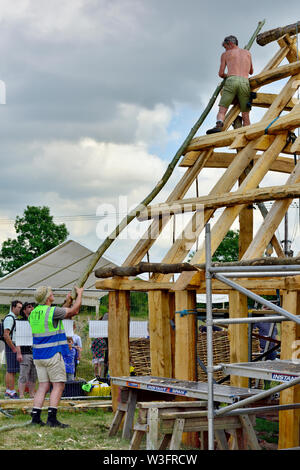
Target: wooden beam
{"x":160,"y":314}
{"x":285,"y":95}
{"x":227,"y":218}
{"x":238,"y":335}
{"x":272,"y":220}
{"x":289,"y":421}
{"x":267,"y":193}
{"x":118,"y":338}
{"x":226,"y":138}
{"x":224,"y":159}
{"x":273,"y":75}
{"x":134,"y":285}
{"x":156,"y":227}
{"x":185,"y":339}
{"x":296,"y":146}
{"x":273,"y":34}
{"x":264,"y":100}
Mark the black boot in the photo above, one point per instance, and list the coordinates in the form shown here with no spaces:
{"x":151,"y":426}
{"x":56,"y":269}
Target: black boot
{"x":52,"y":420}
{"x":218,"y":128}
{"x":36,"y":417}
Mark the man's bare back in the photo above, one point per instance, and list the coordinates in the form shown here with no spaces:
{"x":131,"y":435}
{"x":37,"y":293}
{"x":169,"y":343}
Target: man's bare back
{"x":238,"y":62}
{"x":239,"y":67}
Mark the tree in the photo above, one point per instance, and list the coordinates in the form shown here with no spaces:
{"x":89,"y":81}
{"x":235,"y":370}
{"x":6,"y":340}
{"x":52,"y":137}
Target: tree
{"x":228,"y":250}
{"x":36,"y":234}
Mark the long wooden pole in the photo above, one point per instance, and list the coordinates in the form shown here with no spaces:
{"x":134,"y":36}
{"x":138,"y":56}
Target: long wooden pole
{"x":274,"y":34}
{"x":167,"y":268}
{"x":135,"y":212}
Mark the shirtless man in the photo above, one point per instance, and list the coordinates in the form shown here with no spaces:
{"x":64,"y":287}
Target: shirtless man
{"x":239,"y":67}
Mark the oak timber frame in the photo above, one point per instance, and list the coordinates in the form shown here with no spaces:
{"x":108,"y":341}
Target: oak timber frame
{"x":173,"y":354}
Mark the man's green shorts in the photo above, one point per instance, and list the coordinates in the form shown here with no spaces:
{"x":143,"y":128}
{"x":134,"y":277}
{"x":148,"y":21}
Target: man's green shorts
{"x":236,"y":87}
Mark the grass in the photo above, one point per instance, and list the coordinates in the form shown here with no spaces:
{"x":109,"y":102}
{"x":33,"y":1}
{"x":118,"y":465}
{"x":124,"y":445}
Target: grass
{"x":267,"y":430}
{"x":88,"y":431}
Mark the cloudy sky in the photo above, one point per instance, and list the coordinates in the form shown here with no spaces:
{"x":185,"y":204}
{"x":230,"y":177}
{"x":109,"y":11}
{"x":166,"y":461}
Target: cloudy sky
{"x":100,"y":94}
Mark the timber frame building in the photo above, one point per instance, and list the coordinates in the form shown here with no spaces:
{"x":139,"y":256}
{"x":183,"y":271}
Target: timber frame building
{"x":251,"y":152}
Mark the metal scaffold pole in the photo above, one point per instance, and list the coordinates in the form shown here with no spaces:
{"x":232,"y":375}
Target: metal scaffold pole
{"x":209,"y":342}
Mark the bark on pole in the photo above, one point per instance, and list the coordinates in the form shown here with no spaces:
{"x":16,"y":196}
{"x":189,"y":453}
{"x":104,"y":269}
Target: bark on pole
{"x":165,"y":268}
{"x":276,"y":33}
{"x":135,"y":212}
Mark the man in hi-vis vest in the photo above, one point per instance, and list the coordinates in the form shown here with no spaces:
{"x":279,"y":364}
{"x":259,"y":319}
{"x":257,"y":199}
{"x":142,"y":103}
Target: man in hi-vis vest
{"x":49,"y":343}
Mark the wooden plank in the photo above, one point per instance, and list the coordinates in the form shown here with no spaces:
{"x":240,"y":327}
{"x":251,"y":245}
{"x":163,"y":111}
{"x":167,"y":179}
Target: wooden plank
{"x":129,"y":416}
{"x":152,"y":434}
{"x":221,"y":439}
{"x":116,"y":423}
{"x":136,"y":440}
{"x":165,"y":442}
{"x":177,"y":434}
{"x":249,"y":433}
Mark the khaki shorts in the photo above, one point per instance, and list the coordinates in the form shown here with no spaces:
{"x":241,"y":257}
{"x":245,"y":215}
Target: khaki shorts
{"x":236,"y":87}
{"x":51,"y":370}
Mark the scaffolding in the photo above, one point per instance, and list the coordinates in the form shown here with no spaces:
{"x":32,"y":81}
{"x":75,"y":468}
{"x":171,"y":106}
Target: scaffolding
{"x":287,"y":372}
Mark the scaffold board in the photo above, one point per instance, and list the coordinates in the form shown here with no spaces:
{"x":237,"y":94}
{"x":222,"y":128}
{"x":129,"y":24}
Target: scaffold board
{"x":186,"y":388}
{"x":278,"y":370}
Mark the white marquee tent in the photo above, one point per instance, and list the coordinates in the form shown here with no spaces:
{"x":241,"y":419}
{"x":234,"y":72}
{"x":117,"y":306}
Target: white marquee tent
{"x":59,"y":268}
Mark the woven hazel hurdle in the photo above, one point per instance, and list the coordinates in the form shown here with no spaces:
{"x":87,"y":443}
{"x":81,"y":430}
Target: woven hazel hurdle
{"x":140,"y":354}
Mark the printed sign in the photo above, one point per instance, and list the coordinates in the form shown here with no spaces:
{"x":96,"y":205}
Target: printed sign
{"x":158,"y":388}
{"x":283,"y":377}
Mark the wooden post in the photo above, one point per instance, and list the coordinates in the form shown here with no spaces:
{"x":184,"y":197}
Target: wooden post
{"x":160,"y":314}
{"x":118,"y":338}
{"x":185,"y":336}
{"x":238,"y":335}
{"x":185,"y":346}
{"x":289,"y":420}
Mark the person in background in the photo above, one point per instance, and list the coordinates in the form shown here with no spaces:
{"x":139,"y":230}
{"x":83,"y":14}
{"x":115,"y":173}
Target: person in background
{"x":98,"y":349}
{"x":70,"y":359}
{"x":12,"y":358}
{"x":28,"y":373}
{"x":77,"y":343}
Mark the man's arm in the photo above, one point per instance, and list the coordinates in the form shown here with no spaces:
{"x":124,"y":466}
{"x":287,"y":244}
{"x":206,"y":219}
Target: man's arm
{"x":8,"y":340}
{"x":74,"y":310}
{"x":251,"y":66}
{"x":222,"y":73}
{"x":19,"y":354}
